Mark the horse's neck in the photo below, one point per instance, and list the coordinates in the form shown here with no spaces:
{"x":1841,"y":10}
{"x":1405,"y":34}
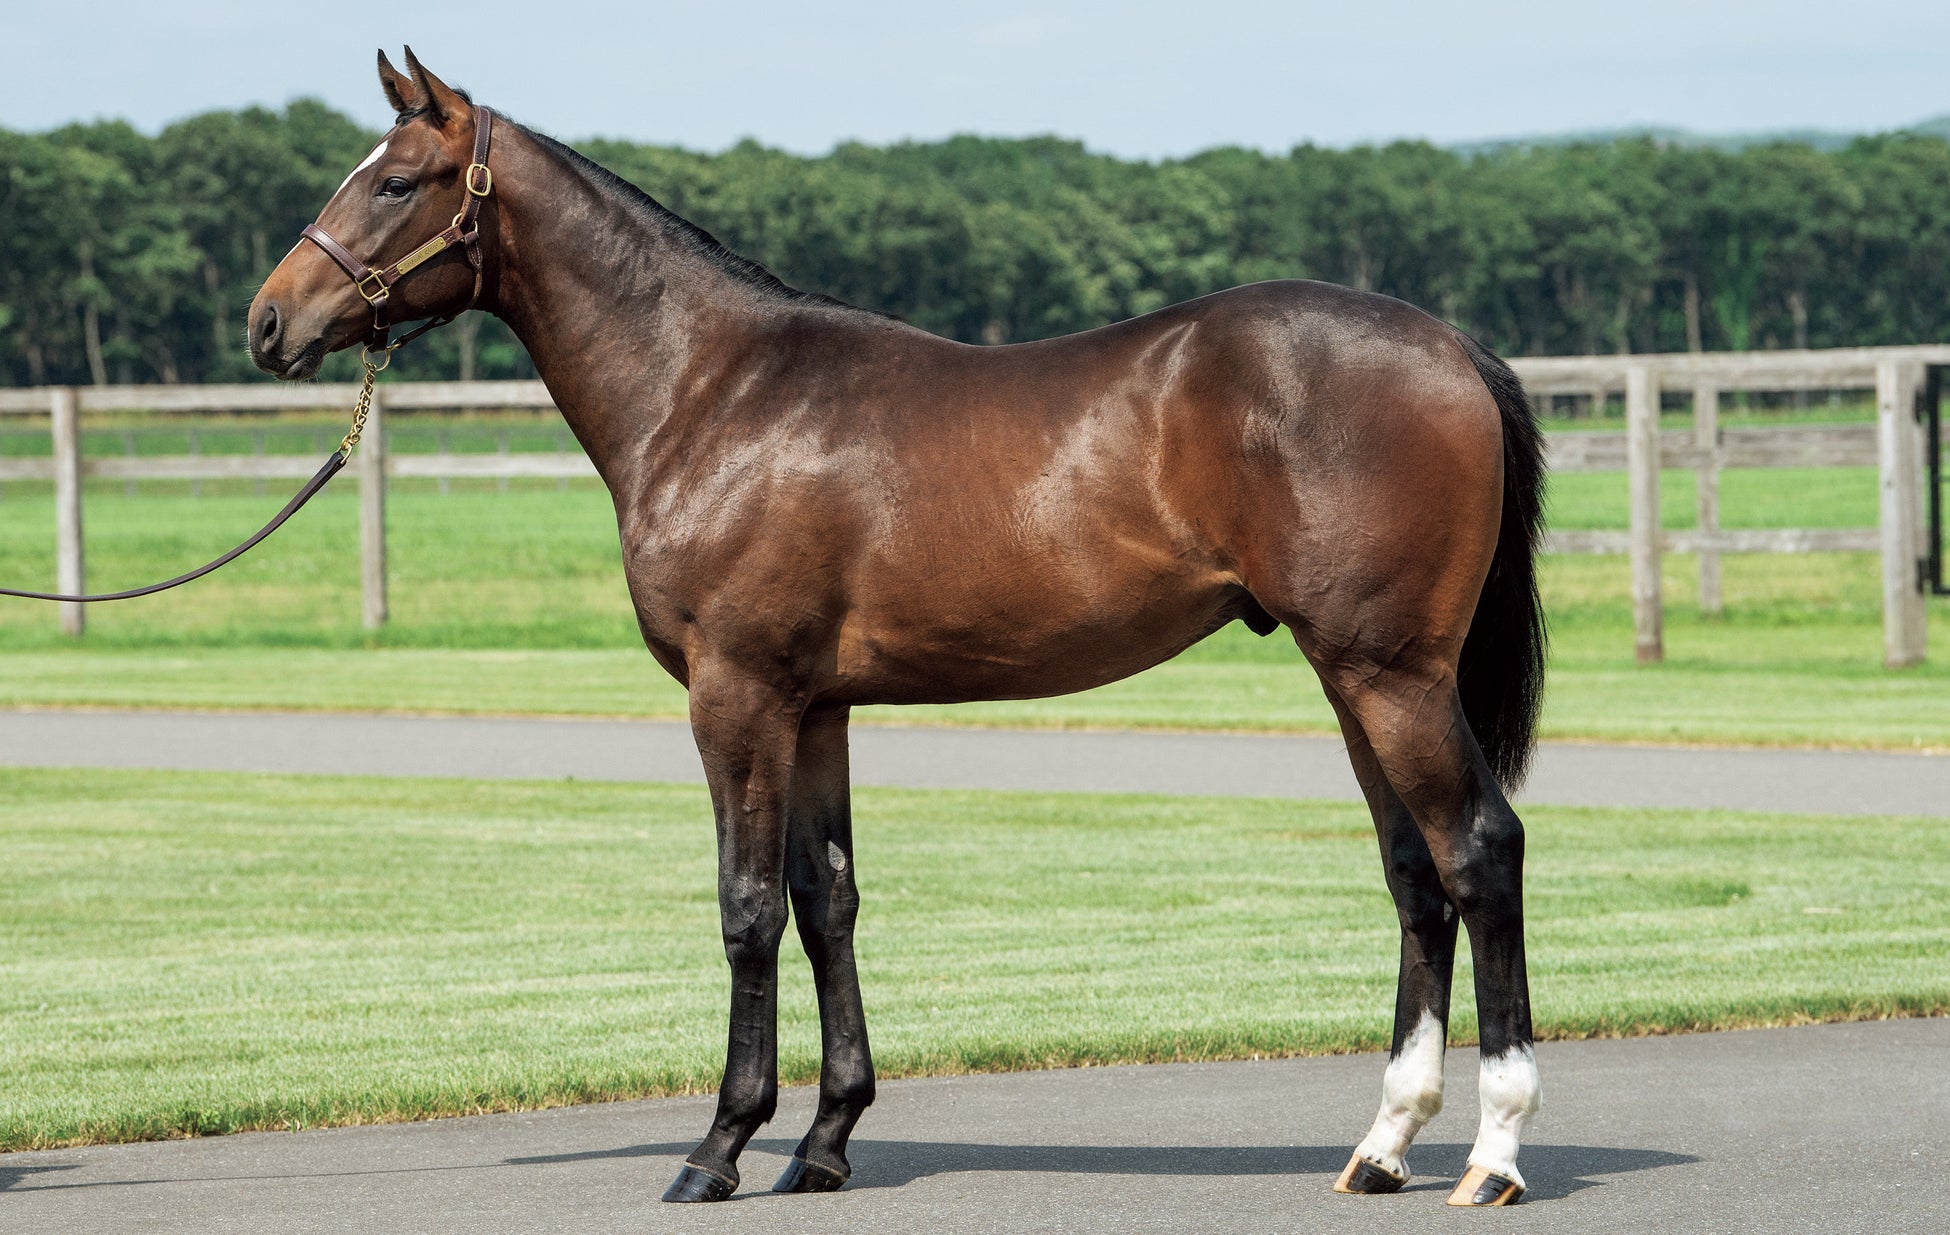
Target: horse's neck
{"x":618,"y":316}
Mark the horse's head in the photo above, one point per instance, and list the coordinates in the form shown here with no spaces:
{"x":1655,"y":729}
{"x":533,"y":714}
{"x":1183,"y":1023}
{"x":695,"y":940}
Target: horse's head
{"x":409,"y":189}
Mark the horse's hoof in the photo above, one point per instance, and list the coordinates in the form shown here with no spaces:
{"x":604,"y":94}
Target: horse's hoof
{"x":803,"y":1176}
{"x":1368,"y":1178}
{"x":694,"y":1184}
{"x":1480,"y":1186}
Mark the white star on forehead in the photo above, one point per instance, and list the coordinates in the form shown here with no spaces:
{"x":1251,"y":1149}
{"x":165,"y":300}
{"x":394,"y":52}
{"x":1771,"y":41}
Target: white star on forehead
{"x":368,"y":161}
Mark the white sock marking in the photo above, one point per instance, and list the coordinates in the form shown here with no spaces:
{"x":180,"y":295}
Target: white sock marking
{"x":1511,"y":1091}
{"x":368,"y":161}
{"x":1411,"y":1094}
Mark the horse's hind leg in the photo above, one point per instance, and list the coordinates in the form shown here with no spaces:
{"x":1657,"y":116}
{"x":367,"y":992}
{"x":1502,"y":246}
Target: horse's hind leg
{"x":1411,"y":1088}
{"x":825,"y":900}
{"x":1409,"y":710}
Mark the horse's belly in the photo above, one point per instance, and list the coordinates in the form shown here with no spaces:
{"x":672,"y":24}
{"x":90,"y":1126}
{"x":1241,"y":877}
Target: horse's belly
{"x":1020,"y":643}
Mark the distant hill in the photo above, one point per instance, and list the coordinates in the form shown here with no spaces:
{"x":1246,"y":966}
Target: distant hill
{"x":1820,"y":139}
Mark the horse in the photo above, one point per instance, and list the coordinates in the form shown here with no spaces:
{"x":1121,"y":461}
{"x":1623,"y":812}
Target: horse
{"x":822,"y":507}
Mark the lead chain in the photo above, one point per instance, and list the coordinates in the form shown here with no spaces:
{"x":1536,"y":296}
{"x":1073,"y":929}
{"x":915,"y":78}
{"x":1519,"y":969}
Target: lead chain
{"x":363,"y":407}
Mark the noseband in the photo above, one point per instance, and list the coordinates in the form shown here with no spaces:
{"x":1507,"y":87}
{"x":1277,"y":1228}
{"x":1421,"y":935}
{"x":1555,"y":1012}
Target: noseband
{"x":375,"y":283}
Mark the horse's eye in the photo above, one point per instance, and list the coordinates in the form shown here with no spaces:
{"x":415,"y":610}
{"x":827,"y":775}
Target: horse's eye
{"x":395,"y":187}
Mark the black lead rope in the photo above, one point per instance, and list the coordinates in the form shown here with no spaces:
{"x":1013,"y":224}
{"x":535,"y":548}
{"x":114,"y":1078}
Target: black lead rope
{"x":333,"y":463}
{"x":312,"y":486}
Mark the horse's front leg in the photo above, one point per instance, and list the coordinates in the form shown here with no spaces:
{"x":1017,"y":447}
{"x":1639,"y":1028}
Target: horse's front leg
{"x":746,"y":731}
{"x":825,"y":901}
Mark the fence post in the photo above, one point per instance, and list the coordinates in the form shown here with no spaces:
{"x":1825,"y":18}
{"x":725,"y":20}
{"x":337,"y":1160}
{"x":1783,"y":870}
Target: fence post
{"x":1900,"y":459}
{"x":1706,"y":437}
{"x":69,"y":574}
{"x":372,"y":514}
{"x":1642,"y":482}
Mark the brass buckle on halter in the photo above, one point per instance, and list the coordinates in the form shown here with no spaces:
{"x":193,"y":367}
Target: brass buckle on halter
{"x":486,"y":179}
{"x":379,"y":285}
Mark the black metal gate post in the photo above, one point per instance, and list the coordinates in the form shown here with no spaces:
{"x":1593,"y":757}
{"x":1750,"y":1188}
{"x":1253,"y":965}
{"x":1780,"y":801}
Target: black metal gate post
{"x":1930,"y":411}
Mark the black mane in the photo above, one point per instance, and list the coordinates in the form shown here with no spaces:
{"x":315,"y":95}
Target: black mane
{"x":673,"y":226}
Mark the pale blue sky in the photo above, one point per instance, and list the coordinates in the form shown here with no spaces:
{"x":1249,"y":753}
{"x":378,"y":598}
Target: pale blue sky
{"x":1145,"y":78}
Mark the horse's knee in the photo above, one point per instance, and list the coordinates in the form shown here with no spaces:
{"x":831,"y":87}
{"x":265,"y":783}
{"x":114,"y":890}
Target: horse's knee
{"x":753,"y":918}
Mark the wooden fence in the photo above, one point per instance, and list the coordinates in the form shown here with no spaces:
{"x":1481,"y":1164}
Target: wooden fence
{"x":1893,"y":445}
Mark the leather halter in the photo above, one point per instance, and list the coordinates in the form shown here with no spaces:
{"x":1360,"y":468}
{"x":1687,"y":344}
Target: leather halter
{"x":375,"y":283}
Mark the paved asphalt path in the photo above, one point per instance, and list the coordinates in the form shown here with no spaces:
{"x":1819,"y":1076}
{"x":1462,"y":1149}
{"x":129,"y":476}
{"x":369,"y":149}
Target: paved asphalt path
{"x":1827,"y":782}
{"x":1826,"y":1129}
{"x":1838,"y":1128}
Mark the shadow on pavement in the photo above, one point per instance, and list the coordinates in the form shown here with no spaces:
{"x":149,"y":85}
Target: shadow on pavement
{"x":11,"y":1176}
{"x":1552,"y":1170}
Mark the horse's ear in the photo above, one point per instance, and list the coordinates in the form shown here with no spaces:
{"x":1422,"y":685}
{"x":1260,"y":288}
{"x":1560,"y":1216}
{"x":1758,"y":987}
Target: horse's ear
{"x":398,"y":87}
{"x":441,"y":100}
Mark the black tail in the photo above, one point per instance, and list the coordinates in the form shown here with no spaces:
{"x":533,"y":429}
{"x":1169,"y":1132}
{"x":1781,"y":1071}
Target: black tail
{"x":1501,"y":675}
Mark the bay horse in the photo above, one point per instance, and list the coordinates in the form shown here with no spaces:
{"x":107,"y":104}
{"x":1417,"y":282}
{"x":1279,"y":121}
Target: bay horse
{"x":822,"y":507}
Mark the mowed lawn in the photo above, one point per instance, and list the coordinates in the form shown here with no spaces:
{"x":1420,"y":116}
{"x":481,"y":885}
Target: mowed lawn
{"x":192,"y":954}
{"x":514,"y":602}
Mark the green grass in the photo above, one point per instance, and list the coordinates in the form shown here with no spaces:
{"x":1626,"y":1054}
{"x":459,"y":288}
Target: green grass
{"x":1721,"y":686}
{"x":1750,"y":498}
{"x":533,"y":567}
{"x":190,"y":954}
{"x":514,"y":602}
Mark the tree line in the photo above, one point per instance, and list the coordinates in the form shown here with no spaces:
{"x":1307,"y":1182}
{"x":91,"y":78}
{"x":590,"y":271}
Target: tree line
{"x":130,"y":258}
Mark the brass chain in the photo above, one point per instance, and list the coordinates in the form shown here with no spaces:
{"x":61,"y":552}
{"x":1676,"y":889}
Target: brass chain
{"x":363,"y":407}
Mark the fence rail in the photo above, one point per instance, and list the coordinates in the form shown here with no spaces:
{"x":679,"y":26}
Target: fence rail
{"x":276,"y":397}
{"x":1818,"y":446}
{"x":535,"y":465}
{"x":1893,"y":445}
{"x":1744,"y":540}
{"x":1835,"y":368}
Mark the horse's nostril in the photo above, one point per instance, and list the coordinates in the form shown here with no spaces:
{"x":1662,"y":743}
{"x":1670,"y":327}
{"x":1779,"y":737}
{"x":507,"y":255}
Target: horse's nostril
{"x":267,"y":330}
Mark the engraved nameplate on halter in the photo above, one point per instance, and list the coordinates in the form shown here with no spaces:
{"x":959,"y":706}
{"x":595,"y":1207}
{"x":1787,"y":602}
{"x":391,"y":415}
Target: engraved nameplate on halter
{"x":428,"y":250}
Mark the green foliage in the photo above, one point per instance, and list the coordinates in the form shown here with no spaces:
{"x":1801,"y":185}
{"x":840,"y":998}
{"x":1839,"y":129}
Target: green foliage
{"x":126,"y":258}
{"x":195,"y":954}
